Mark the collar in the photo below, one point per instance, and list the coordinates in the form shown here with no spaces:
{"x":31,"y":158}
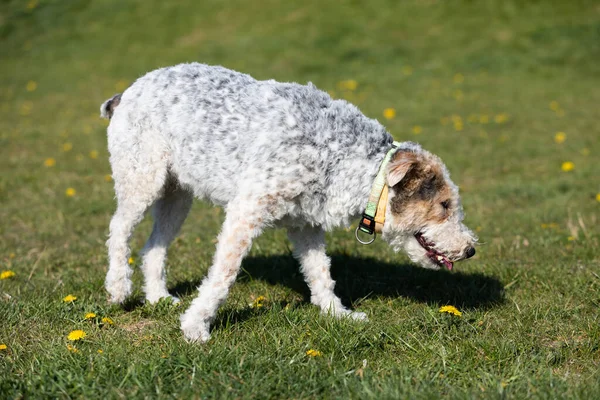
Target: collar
{"x":373,"y":217}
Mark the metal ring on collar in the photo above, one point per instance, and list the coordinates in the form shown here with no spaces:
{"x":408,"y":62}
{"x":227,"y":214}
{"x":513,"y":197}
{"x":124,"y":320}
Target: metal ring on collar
{"x":363,"y":242}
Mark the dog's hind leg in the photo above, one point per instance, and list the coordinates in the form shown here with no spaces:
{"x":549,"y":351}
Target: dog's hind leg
{"x":309,"y":250}
{"x":138,"y":183}
{"x":169,"y":212}
{"x":244,"y":221}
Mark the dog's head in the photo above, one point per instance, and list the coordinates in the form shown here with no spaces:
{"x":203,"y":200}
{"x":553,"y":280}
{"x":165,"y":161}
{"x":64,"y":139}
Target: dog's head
{"x":424,"y":214}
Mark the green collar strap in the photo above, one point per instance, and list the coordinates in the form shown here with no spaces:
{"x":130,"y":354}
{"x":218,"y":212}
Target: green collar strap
{"x":367,"y":222}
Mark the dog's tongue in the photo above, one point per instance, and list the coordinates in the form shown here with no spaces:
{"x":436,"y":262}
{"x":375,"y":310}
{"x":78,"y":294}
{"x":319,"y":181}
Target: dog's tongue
{"x":449,"y":264}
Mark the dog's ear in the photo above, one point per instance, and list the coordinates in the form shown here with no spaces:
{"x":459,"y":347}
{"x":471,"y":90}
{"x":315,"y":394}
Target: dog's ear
{"x":402,"y":162}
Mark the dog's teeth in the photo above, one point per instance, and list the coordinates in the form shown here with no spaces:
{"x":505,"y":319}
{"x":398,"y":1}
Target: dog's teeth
{"x":440,"y":258}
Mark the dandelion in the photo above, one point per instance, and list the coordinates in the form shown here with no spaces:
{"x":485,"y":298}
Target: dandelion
{"x":76,"y":335}
{"x":107,"y":321}
{"x":450,"y":310}
{"x":6,"y":274}
{"x":501,"y":118}
{"x":90,"y":315}
{"x":389,"y":113}
{"x":598,"y":197}
{"x":32,"y":4}
{"x":571,"y":238}
{"x":69,"y":298}
{"x":560,"y":137}
{"x":26,"y":108}
{"x":567,"y":166}
{"x":130,"y":261}
{"x":313,"y":353}
{"x":31,"y":86}
{"x":93,"y":154}
{"x":554,"y":106}
{"x":50,"y":162}
{"x":458,"y":125}
{"x":258,"y":302}
{"x":3,"y":346}
{"x":67,"y":147}
{"x":472,"y":118}
{"x":349,"y":84}
{"x":107,"y":178}
{"x":458,"y":78}
{"x":484,"y":119}
{"x":407,"y":70}
{"x":12,"y":255}
{"x":72,"y":349}
{"x":70,"y":192}
{"x":100,"y":351}
{"x":417,"y":129}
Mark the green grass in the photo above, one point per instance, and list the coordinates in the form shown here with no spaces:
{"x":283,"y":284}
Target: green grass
{"x":530,"y":326}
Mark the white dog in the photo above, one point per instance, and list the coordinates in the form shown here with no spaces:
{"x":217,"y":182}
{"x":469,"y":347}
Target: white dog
{"x":273,"y":155}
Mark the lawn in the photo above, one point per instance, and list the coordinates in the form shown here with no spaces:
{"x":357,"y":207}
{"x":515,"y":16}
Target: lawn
{"x":507,"y":93}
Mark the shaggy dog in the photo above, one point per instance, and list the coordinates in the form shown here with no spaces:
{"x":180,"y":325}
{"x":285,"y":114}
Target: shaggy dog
{"x":272,"y":155}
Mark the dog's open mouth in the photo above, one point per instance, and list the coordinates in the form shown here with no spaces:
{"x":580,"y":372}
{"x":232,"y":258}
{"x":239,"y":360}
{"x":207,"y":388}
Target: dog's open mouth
{"x":435,"y":256}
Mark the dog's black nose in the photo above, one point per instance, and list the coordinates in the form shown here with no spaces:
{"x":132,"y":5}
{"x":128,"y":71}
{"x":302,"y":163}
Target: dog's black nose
{"x":470,"y":252}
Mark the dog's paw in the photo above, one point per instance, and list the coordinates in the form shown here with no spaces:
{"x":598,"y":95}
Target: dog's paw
{"x":118,"y":287}
{"x":195,"y":331}
{"x":358,"y":316}
{"x":165,"y":297}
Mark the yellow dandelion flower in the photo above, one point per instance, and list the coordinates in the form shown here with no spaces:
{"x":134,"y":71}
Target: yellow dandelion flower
{"x":258,"y":302}
{"x":458,"y":94}
{"x":100,"y":351}
{"x":32,"y":4}
{"x":450,"y":310}
{"x":313,"y":353}
{"x":484,"y":119}
{"x":407,"y":70}
{"x":560,"y":137}
{"x":389,"y":113}
{"x":472,"y":118}
{"x":567,"y":166}
{"x":93,"y":154}
{"x":72,"y":349}
{"x":130,"y":261}
{"x":12,"y":255}
{"x":26,"y":108}
{"x":31,"y":86}
{"x":50,"y":162}
{"x":501,"y":118}
{"x":6,"y":274}
{"x":76,"y":335}
{"x":121,"y":85}
{"x":70,"y":192}
{"x":554,"y":105}
{"x":458,"y":78}
{"x":107,"y":178}
{"x":107,"y":321}
{"x":349,"y":84}
{"x":458,"y":125}
{"x":69,"y":298}
{"x":417,"y":129}
{"x":67,"y":147}
{"x":90,"y":315}
{"x":598,"y":197}
{"x":571,"y":238}
{"x":3,"y":346}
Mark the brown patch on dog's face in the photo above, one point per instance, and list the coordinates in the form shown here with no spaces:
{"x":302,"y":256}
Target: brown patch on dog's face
{"x":421,"y":197}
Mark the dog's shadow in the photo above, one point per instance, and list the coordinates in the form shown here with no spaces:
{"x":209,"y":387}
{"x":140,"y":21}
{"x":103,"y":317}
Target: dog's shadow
{"x":358,"y":278}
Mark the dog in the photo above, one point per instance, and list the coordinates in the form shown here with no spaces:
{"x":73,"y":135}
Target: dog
{"x":272,"y":155}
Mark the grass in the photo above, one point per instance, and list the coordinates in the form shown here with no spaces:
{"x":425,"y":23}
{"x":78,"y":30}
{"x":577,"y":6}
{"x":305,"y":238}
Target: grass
{"x":489,"y":83}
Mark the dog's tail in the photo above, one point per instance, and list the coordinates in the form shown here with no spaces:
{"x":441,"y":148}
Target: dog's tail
{"x":107,"y":108}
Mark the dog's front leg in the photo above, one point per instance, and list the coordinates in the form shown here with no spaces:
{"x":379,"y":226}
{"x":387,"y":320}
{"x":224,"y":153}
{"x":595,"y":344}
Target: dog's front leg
{"x":242,"y":224}
{"x":309,"y":250}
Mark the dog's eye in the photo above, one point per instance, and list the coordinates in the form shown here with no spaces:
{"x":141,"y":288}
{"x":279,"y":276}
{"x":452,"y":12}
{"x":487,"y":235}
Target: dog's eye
{"x":445,"y":204}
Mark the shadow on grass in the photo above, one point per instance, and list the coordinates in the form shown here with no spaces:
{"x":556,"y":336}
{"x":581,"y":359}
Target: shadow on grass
{"x":357,"y":278}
